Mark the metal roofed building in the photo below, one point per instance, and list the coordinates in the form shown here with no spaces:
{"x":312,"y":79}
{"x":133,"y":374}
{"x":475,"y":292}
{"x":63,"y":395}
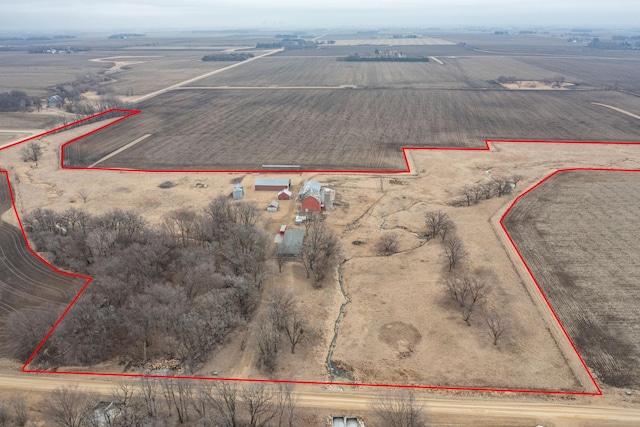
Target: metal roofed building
{"x":272,"y":184}
{"x":291,"y":245}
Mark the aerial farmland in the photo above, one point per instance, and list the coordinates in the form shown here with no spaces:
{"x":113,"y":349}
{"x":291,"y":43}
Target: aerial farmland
{"x":467,"y":136}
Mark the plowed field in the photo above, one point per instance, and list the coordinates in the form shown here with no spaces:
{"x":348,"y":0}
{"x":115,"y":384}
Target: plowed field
{"x":579,"y":234}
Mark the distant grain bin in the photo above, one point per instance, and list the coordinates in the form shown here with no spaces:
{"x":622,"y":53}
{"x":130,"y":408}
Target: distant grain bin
{"x":238,"y":191}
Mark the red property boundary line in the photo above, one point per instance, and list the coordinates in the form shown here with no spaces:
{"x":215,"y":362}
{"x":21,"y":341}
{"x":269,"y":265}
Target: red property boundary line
{"x":405,"y":150}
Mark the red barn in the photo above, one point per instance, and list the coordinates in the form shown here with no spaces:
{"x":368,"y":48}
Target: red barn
{"x":311,"y":204}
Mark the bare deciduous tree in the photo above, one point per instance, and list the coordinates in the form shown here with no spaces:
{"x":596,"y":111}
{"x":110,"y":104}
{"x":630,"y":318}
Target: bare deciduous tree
{"x":434,"y":221}
{"x":281,"y":260}
{"x":21,"y":414}
{"x":31,"y":152}
{"x":68,"y":406}
{"x":454,"y":250}
{"x":497,"y":327}
{"x":321,"y":249}
{"x":149,"y":392}
{"x":83,"y":193}
{"x":502,"y":185}
{"x":286,"y":406}
{"x":295,"y":328}
{"x":399,"y":410}
{"x":267,"y":339}
{"x":280,"y":307}
{"x":257,"y":400}
{"x":5,"y":415}
{"x":224,"y":403}
{"x":387,"y":244}
{"x":467,"y":291}
{"x":177,"y":394}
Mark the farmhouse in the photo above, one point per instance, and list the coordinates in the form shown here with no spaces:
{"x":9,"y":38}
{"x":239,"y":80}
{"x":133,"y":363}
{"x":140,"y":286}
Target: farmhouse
{"x":54,"y":101}
{"x":238,"y":191}
{"x":291,"y":245}
{"x":273,"y":206}
{"x":272,"y":184}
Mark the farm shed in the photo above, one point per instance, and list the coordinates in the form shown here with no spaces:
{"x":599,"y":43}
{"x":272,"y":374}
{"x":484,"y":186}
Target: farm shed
{"x":311,"y":196}
{"x":238,"y":191}
{"x":272,"y":184}
{"x":284,"y":195}
{"x":291,"y":245}
{"x":273,"y":206}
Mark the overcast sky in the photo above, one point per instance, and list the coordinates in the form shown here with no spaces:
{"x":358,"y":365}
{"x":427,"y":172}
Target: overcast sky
{"x":223,"y":14}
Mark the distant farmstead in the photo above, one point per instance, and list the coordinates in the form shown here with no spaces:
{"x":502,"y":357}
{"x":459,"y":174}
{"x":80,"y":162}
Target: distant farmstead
{"x":272,"y":184}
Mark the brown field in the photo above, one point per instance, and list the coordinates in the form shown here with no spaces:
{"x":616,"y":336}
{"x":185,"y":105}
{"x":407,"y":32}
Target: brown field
{"x":35,"y":73}
{"x":578,"y":233}
{"x":338,"y":129}
{"x":25,"y":281}
{"x":456,"y":73}
{"x":600,"y":72}
{"x":159,"y":69}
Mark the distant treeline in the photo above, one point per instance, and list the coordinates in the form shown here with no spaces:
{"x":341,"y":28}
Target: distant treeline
{"x":227,"y":57}
{"x":358,"y":58}
{"x":617,"y":43}
{"x":58,"y":49}
{"x":125,"y":35}
{"x":38,"y":38}
{"x":17,"y":100}
{"x":276,"y":45}
{"x":288,"y":44}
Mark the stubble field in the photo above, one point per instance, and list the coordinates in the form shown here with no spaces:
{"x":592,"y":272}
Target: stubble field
{"x":336,"y":129}
{"x":25,"y":281}
{"x":578,"y":233}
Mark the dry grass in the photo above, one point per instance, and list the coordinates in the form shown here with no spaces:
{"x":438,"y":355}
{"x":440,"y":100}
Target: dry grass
{"x":578,"y":233}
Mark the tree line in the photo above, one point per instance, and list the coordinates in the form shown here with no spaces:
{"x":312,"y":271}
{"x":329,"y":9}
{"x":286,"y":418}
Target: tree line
{"x":234,"y":56}
{"x":158,"y":293}
{"x":17,"y":100}
{"x":172,"y":401}
{"x":155,"y":401}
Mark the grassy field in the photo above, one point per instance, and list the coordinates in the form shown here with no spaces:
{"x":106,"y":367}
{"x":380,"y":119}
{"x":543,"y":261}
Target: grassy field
{"x":578,"y":233}
{"x":338,"y":129}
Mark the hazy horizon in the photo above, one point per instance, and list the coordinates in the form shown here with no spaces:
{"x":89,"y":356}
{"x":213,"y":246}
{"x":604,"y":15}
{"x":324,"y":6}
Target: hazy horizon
{"x":91,"y":15}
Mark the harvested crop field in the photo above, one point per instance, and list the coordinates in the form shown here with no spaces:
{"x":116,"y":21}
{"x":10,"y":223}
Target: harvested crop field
{"x":620,"y":73}
{"x":471,"y":72}
{"x":578,"y":233}
{"x":332,"y":129}
{"x":25,"y":281}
